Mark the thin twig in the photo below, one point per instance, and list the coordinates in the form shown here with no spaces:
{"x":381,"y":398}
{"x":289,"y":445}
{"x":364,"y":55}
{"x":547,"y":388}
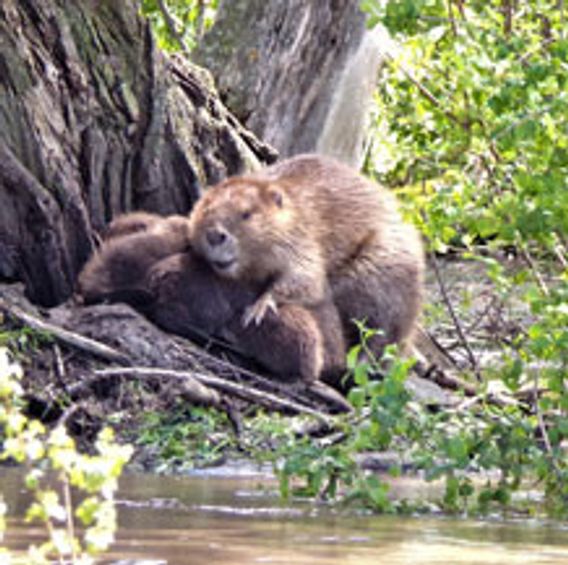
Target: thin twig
{"x":70,"y":411}
{"x":69,"y":513}
{"x":194,"y":391}
{"x":560,"y":251}
{"x":457,"y":324}
{"x":200,"y":20}
{"x":542,"y":428}
{"x":60,"y":372}
{"x":65,"y":336}
{"x":429,"y":346}
{"x":534,"y":269}
{"x":427,"y":94}
{"x":507,"y":9}
{"x":451,"y":18}
{"x":444,"y":379}
{"x":215,"y":364}
{"x":475,"y":323}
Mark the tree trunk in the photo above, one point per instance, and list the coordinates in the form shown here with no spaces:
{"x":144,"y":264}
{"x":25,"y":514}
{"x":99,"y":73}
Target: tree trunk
{"x":94,"y":121}
{"x":299,"y":74}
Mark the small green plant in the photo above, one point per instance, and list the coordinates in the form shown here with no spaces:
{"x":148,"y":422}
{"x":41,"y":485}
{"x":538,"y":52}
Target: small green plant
{"x":184,"y":438}
{"x":328,"y":469}
{"x":73,"y":493}
{"x":23,"y":341}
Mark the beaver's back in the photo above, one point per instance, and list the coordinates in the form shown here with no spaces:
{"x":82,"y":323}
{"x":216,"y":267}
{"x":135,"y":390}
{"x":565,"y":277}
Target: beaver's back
{"x":344,"y":210}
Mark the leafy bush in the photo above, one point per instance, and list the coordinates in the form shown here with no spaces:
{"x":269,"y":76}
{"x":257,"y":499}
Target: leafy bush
{"x":73,"y":492}
{"x":474,"y":115}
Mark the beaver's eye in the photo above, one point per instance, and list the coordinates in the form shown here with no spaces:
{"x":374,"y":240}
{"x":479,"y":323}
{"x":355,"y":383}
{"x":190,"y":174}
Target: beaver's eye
{"x":246,"y":215}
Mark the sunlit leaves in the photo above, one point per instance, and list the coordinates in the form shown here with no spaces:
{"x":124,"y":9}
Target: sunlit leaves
{"x":54,"y":466}
{"x":463,"y":95}
{"x":474,"y":105}
{"x":178,"y":24}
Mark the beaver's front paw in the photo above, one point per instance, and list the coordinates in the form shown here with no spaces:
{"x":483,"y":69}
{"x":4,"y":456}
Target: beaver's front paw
{"x":259,"y":309}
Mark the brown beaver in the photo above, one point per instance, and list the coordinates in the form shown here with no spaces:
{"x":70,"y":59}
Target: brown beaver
{"x":133,"y":243}
{"x":146,"y":262}
{"x":307,"y":222}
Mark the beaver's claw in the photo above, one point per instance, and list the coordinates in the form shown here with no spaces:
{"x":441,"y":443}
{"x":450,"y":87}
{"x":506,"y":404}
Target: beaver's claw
{"x":259,"y":309}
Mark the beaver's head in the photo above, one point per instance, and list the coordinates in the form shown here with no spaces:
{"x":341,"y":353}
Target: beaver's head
{"x":235,"y":224}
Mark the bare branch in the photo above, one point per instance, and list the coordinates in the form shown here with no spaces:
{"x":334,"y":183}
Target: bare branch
{"x":172,"y":26}
{"x":543,"y":429}
{"x":534,"y":269}
{"x":65,"y":336}
{"x":457,"y":324}
{"x":262,"y":398}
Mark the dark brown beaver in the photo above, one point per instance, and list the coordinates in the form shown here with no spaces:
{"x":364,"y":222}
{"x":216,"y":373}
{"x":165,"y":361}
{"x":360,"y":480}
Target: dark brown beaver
{"x":308,"y":222}
{"x":152,"y":268}
{"x":133,"y":243}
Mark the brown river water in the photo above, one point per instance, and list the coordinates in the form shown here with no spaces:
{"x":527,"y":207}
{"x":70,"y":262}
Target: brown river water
{"x":233,"y":520}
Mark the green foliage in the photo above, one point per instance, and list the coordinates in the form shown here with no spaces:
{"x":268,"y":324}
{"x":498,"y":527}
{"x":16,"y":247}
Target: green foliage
{"x":483,"y":456}
{"x":81,"y":522}
{"x":329,"y":469}
{"x":473,"y":110}
{"x":23,"y":341}
{"x":477,"y":119}
{"x":178,"y":24}
{"x":185,"y":438}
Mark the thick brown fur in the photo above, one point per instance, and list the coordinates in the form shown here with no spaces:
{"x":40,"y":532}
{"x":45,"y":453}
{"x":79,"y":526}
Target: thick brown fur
{"x":146,"y":262}
{"x":133,"y":243}
{"x":308,"y":222}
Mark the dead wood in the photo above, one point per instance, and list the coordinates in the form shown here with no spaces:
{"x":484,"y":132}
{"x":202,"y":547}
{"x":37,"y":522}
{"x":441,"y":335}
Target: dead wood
{"x":192,"y":390}
{"x":116,"y":334}
{"x":249,"y":394}
{"x":67,"y":337}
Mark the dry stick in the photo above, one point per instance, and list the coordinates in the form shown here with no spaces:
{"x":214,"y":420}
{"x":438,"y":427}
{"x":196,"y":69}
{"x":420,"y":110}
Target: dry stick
{"x":534,"y":269}
{"x":59,"y":367}
{"x":252,"y":395}
{"x":65,"y":336}
{"x":324,"y":392}
{"x":455,"y":319}
{"x":70,"y":411}
{"x":444,"y":379}
{"x":108,"y":353}
{"x":422,"y":341}
{"x":560,"y":251}
{"x":198,"y":392}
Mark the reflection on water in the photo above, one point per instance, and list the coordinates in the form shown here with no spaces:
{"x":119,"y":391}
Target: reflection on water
{"x":213,"y":520}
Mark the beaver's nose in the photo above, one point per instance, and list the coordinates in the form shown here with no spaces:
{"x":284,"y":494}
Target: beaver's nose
{"x":216,"y":236}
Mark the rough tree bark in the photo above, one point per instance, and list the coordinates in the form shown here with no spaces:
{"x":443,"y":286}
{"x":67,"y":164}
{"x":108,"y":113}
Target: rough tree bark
{"x":94,"y":121}
{"x":299,"y":74}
